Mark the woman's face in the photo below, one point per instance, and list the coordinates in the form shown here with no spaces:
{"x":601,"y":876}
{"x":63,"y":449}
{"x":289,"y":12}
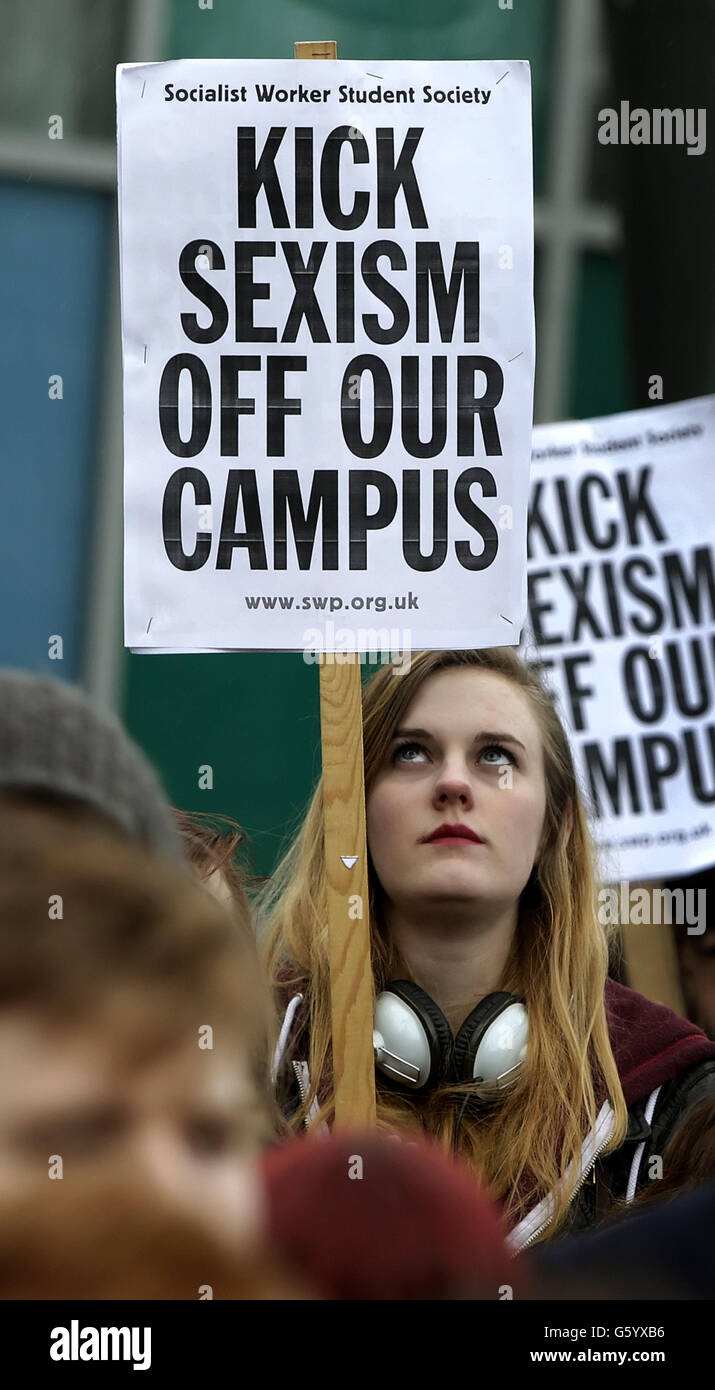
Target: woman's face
{"x":467,"y":753}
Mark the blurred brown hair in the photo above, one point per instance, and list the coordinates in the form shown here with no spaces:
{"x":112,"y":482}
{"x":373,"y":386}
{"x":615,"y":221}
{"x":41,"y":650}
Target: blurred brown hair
{"x":96,"y":928}
{"x":110,"y":1239}
{"x":210,"y":844}
{"x":688,"y":1158}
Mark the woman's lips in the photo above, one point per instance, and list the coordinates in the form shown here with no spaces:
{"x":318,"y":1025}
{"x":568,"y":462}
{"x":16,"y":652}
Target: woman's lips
{"x":453,"y":834}
{"x":453,"y":840}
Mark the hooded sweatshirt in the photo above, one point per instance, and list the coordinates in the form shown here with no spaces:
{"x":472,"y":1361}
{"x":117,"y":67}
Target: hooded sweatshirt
{"x":665,"y":1064}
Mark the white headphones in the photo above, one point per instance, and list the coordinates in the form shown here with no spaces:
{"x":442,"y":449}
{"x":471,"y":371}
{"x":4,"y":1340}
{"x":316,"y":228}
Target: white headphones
{"x":415,"y":1048}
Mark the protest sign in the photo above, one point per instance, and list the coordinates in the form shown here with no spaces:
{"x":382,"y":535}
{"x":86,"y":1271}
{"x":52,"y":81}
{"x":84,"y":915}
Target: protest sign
{"x":328,"y":352}
{"x":621,"y":587}
{"x":328,"y":356}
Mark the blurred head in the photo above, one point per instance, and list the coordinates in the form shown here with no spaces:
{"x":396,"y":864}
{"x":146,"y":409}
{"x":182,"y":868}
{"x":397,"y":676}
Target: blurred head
{"x":363,"y":1217}
{"x":60,"y":750}
{"x":113,"y":1237}
{"x":473,"y":738}
{"x":132,"y":1024}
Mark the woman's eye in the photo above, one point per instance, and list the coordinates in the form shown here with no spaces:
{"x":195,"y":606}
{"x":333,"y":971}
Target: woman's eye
{"x":497,"y":748}
{"x":407,"y":748}
{"x":494,"y":756}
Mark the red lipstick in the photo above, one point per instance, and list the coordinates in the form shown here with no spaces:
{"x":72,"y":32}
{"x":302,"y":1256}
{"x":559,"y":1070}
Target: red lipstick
{"x":452,"y":832}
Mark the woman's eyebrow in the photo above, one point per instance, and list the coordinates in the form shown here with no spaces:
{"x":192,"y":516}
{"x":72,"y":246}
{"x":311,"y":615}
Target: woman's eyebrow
{"x":494,"y":737}
{"x":498,"y":738}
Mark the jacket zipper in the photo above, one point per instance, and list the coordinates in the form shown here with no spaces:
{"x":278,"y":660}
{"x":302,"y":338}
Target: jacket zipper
{"x":574,"y":1195}
{"x":583,"y":1179}
{"x":303,"y":1078}
{"x":301,"y":1083}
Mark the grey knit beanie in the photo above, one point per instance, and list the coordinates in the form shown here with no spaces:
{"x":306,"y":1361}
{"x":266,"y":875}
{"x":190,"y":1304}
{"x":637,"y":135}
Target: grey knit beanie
{"x":54,"y":739}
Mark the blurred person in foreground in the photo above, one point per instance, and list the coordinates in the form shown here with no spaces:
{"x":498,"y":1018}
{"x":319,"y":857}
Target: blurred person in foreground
{"x":132,"y":1026}
{"x":662,"y":1250}
{"x":360,"y":1216}
{"x":114,"y":1236}
{"x":60,"y":751}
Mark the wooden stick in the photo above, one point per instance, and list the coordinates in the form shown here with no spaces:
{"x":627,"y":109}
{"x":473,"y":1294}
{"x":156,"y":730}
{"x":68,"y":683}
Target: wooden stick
{"x":351,"y":984}
{"x":327,"y":48}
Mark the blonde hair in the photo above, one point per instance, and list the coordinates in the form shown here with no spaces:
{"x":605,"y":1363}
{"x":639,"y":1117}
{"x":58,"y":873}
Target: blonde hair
{"x":522,"y":1144}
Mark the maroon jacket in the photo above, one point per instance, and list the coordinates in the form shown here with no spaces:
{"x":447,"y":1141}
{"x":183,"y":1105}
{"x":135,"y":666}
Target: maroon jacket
{"x":665,"y":1063}
{"x":651,"y":1044}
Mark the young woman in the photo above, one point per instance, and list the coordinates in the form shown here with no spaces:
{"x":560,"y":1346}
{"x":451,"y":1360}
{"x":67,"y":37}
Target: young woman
{"x":482,"y":885}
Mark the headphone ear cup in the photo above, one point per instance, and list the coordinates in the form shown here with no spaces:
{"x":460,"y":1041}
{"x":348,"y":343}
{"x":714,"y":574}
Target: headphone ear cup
{"x":474,"y":1029}
{"x":437,"y":1031}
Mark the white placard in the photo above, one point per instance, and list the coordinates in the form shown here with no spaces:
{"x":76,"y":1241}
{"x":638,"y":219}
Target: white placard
{"x":327,"y":315}
{"x":621,"y":612}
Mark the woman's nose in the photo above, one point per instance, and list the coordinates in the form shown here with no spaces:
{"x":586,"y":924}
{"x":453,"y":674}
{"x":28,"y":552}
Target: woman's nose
{"x":453,"y":786}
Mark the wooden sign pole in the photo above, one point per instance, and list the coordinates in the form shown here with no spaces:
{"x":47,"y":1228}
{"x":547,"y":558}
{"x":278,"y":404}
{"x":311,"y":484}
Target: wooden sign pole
{"x":351,"y":987}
